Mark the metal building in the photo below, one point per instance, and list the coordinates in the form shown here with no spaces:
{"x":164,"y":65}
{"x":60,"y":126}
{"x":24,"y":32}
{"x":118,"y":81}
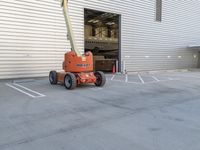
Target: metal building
{"x":153,"y":34}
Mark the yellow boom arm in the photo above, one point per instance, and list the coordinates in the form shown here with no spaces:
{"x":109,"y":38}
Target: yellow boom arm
{"x":64,"y":4}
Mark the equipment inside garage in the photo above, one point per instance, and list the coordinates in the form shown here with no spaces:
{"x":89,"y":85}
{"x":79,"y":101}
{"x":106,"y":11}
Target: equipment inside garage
{"x":102,"y":38}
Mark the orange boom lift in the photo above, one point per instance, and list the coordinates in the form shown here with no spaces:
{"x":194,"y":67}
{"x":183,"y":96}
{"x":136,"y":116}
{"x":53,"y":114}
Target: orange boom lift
{"x":78,"y":68}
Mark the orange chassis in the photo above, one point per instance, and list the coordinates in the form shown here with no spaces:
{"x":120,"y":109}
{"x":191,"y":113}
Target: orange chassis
{"x":82,"y":67}
{"x":81,"y":78}
{"x":77,"y":70}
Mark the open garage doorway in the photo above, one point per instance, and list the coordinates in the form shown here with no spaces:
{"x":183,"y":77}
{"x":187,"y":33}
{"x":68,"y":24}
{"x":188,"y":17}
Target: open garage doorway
{"x":102,"y":38}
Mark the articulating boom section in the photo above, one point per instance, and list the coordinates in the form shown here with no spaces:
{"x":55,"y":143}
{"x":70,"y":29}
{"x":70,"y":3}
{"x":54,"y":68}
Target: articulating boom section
{"x":64,"y":4}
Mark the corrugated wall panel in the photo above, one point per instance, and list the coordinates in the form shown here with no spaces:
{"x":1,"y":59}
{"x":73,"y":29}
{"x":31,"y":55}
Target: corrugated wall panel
{"x":33,"y":34}
{"x":32,"y":38}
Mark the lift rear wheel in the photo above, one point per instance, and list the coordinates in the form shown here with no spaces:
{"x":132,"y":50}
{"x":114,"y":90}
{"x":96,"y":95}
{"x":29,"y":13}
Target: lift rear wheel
{"x":101,"y":78}
{"x":70,"y":81}
{"x":53,"y":77}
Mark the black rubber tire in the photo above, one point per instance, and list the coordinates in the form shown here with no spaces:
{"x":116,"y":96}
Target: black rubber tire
{"x":70,"y":81}
{"x":53,"y":77}
{"x":101,"y":78}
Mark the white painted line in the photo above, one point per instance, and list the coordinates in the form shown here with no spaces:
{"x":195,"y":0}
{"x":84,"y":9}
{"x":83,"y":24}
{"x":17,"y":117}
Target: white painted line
{"x":118,"y":80}
{"x":127,"y":82}
{"x":113,"y":77}
{"x":140,"y":78}
{"x":151,"y":82}
{"x":20,"y":90}
{"x":40,"y":95}
{"x":155,"y":78}
{"x":197,"y":77}
{"x":170,"y":78}
{"x":126,"y":78}
{"x":135,"y":82}
{"x":96,"y":88}
{"x":155,"y":81}
{"x":160,"y":81}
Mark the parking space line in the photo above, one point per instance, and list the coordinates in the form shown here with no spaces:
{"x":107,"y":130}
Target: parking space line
{"x":118,"y":80}
{"x":15,"y":86}
{"x":135,"y":82}
{"x":126,"y":78}
{"x":96,"y":88}
{"x":19,"y":90}
{"x":141,"y":78}
{"x":155,"y":78}
{"x":40,"y":95}
{"x":181,"y":76}
{"x":113,"y":77}
{"x":140,"y":83}
{"x":161,"y":81}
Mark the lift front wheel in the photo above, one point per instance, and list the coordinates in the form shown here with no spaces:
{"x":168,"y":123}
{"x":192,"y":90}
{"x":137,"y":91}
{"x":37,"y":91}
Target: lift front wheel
{"x":53,"y":77}
{"x":101,"y":78}
{"x":70,"y":81}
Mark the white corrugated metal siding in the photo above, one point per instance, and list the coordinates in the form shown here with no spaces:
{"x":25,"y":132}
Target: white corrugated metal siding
{"x":33,"y":34}
{"x":32,"y":37}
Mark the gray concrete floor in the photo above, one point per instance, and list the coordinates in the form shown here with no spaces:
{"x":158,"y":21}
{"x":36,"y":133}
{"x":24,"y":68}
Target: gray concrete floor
{"x":136,"y":112}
